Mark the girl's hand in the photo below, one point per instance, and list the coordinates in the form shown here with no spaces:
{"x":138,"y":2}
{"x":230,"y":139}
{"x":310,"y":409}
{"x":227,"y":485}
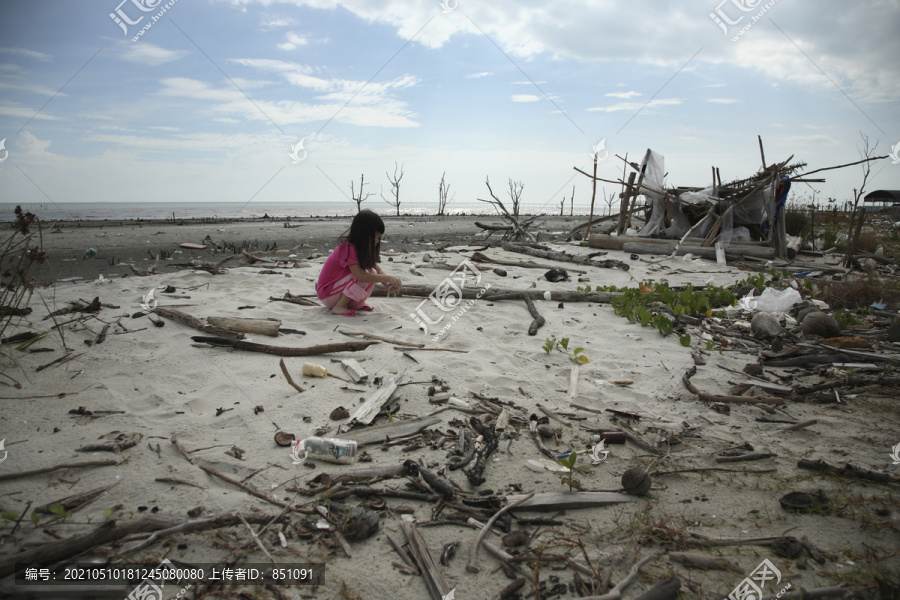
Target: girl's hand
{"x":393,"y":283}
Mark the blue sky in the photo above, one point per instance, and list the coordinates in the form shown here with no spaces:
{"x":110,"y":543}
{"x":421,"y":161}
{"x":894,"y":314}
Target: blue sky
{"x":208,"y":102}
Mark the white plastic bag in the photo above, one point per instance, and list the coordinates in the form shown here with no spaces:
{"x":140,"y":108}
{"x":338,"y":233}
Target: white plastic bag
{"x":771,"y":300}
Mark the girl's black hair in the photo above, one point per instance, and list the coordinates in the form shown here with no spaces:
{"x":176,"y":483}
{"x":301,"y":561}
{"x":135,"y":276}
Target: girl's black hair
{"x":362,"y":235}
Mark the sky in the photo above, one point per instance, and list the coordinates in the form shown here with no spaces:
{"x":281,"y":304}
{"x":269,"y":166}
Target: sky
{"x":255,"y":101}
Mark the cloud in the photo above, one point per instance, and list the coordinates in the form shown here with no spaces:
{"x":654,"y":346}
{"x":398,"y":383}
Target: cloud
{"x":525,"y":98}
{"x":723,"y":100}
{"x":623,"y":95}
{"x":149,"y":54}
{"x":276,"y":22}
{"x":26,"y":53}
{"x":293,"y":41}
{"x":11,"y":109}
{"x":478,"y":75}
{"x":635,"y":106}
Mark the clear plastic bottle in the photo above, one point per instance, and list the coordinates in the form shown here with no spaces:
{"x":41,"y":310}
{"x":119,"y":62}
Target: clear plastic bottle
{"x":330,"y":449}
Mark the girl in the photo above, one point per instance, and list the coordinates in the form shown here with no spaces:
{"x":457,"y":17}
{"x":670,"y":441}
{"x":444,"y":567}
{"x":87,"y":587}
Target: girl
{"x":351,"y":271}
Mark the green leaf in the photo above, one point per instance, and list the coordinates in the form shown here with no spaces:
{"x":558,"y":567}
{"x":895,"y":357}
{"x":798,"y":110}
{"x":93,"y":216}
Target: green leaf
{"x":9,"y":515}
{"x":575,"y":483}
{"x":685,"y":340}
{"x":582,"y":359}
{"x":59,"y":509}
{"x":577,"y":351}
{"x":108,"y":513}
{"x":564,"y":343}
{"x":35,"y":518}
{"x":710,"y":345}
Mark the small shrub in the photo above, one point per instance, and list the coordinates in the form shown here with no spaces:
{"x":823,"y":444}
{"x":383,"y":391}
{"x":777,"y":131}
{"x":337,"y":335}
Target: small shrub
{"x":796,"y":220}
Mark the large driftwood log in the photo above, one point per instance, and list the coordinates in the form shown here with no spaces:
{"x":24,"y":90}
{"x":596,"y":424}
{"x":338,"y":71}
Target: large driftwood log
{"x":525,"y":264}
{"x":563,"y":257}
{"x":283,"y":350}
{"x":261,"y":326}
{"x":494,"y":294}
{"x":731,"y":253}
{"x":191,"y":321}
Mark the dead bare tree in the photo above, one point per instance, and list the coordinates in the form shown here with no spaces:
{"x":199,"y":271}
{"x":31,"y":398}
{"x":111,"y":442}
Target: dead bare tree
{"x":358,"y":197}
{"x":515,"y":195}
{"x":395,"y":187}
{"x":443,"y":192}
{"x":853,"y":237}
{"x":515,"y":229}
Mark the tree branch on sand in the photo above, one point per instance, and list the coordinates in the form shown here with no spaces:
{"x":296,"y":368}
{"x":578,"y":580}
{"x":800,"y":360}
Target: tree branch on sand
{"x":515,"y":229}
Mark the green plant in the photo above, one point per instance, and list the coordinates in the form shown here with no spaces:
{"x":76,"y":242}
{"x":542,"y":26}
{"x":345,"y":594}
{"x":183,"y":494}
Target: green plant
{"x":563,"y":346}
{"x":59,"y":509}
{"x":9,"y":515}
{"x":568,"y":477}
{"x":845,"y":318}
{"x":685,"y":340}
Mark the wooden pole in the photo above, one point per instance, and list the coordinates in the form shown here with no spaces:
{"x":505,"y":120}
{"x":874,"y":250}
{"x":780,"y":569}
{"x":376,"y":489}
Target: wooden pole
{"x":587,"y":233}
{"x":623,"y":206}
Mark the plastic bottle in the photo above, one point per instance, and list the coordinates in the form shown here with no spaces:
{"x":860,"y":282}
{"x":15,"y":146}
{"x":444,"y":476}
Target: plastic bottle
{"x":330,"y":449}
{"x":311,"y":370}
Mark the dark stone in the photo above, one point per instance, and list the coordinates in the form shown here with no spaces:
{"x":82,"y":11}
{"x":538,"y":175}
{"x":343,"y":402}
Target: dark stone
{"x":821,"y":324}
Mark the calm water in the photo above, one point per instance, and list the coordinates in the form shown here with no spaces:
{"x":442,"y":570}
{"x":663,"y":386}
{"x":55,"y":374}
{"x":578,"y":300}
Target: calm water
{"x":97,"y":211}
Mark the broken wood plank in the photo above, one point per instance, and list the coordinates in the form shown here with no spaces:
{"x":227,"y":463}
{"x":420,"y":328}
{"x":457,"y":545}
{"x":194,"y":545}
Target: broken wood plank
{"x":434,"y":580}
{"x":389,"y":431}
{"x":369,"y":409}
{"x":563,"y":257}
{"x":194,"y":322}
{"x":283,"y":350}
{"x":354,"y":370}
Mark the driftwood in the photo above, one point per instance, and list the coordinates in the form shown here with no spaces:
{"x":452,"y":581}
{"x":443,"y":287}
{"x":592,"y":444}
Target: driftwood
{"x":482,"y":453}
{"x":667,"y":589}
{"x":563,"y":257}
{"x":694,"y":560}
{"x":641,"y":247}
{"x":354,"y":370}
{"x":538,"y":321}
{"x":73,"y":503}
{"x":288,"y":297}
{"x":283,"y":350}
{"x":372,"y":336}
{"x":362,"y":473}
{"x":213,"y":268}
{"x":288,"y":377}
{"x":434,"y":580}
{"x":849,"y":470}
{"x":78,"y":465}
{"x":191,"y":321}
{"x":389,"y":431}
{"x":261,"y":326}
{"x":473,"y":567}
{"x":111,"y":531}
{"x":571,"y":500}
{"x":528,"y":264}
{"x":494,"y":294}
{"x":369,"y":409}
{"x":743,"y":457}
{"x":616,"y":592}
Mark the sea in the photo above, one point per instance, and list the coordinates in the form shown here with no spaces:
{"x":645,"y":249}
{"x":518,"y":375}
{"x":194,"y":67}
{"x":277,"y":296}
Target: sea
{"x":119,"y":211}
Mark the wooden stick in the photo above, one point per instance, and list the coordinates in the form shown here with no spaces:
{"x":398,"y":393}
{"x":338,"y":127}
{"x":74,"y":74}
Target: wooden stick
{"x":802,"y":425}
{"x":372,"y":336}
{"x":283,"y":350}
{"x":538,"y":321}
{"x":370,"y":408}
{"x":757,"y":456}
{"x":79,"y":465}
{"x":472,"y":567}
{"x":407,"y":349}
{"x":255,"y":537}
{"x":616,"y":592}
{"x":287,"y":376}
{"x":471,"y":293}
{"x":573,"y":381}
{"x":262,"y":326}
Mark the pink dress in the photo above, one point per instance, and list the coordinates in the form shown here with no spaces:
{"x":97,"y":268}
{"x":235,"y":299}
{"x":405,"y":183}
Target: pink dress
{"x":336,"y":279}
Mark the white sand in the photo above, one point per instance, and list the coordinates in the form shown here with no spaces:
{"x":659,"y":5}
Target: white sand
{"x":158,"y":384}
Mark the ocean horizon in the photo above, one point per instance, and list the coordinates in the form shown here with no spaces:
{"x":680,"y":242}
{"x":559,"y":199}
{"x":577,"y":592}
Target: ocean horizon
{"x":118,"y":211}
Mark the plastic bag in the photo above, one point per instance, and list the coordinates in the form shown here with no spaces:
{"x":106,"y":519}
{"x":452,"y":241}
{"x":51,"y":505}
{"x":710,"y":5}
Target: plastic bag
{"x":771,"y":300}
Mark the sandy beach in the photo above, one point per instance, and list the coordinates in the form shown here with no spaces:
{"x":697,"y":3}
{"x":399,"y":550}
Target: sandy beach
{"x":710,"y":523}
